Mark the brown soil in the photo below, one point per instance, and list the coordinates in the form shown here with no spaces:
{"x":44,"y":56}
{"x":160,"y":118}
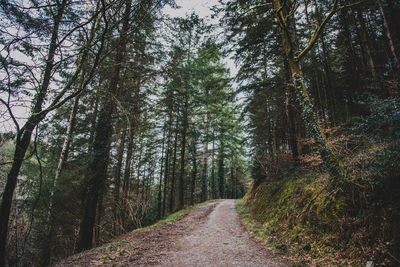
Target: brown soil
{"x":210,"y":235}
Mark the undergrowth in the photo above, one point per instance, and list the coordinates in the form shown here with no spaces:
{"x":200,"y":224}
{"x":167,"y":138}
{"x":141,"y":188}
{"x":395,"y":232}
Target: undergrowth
{"x":342,"y":223}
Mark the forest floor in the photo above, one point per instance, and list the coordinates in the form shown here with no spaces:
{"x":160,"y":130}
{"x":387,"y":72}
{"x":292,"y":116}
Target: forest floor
{"x":209,"y":235}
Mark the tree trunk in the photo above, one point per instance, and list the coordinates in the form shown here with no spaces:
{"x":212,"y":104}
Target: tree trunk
{"x":132,"y":122}
{"x":236,"y":183}
{"x":389,"y":35}
{"x":194,"y":172}
{"x":394,"y":12}
{"x":139,"y":166}
{"x":166,"y":172}
{"x":221,"y":172}
{"x":93,"y":120}
{"x":173,"y":174}
{"x":24,"y":136}
{"x":181,"y":198}
{"x":96,"y":176}
{"x":159,"y":198}
{"x":232,"y":177}
{"x":117,"y":182}
{"x":290,"y":116}
{"x":327,"y":82}
{"x":21,"y":146}
{"x":98,"y":216}
{"x":46,"y":249}
{"x":308,"y":114}
{"x":67,"y":141}
{"x":367,"y":46}
{"x":311,"y":122}
{"x":213,"y":184}
{"x":97,"y":170}
{"x":353,"y":69}
{"x":128,"y":164}
{"x":204,"y":189}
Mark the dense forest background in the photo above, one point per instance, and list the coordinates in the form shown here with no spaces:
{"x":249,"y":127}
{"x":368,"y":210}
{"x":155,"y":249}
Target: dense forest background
{"x":114,"y":115}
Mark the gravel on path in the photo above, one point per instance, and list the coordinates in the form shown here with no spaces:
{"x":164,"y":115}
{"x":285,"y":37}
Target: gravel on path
{"x":210,"y":235}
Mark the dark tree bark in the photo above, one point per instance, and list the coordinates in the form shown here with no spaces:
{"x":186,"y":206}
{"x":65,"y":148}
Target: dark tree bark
{"x":204,"y":176}
{"x":99,"y":214}
{"x":309,"y":116}
{"x":67,"y":141}
{"x":394,"y":14}
{"x":46,"y":250}
{"x":24,"y":134}
{"x":96,"y":177}
{"x":166,"y":169}
{"x":117,"y":182}
{"x":181,"y":191}
{"x":235,"y":196}
{"x":97,"y":169}
{"x":232,"y":178}
{"x":366,"y":43}
{"x":389,"y":35}
{"x":173,"y":174}
{"x":353,"y":67}
{"x":159,"y":197}
{"x":290,"y":114}
{"x":127,"y":173}
{"x":213,"y":183}
{"x":194,"y":172}
{"x":221,"y":171}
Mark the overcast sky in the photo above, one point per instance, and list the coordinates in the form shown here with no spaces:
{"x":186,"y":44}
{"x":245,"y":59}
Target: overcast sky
{"x":201,"y":7}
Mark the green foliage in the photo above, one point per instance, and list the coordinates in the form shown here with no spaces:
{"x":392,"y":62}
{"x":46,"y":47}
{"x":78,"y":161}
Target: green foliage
{"x":383,"y":121}
{"x":380,"y":132}
{"x":314,"y":131}
{"x":311,"y":218}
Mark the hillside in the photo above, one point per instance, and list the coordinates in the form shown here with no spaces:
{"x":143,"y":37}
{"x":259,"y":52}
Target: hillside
{"x":322,"y":221}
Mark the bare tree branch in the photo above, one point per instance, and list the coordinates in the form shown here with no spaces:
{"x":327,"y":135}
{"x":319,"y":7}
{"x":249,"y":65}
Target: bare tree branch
{"x":57,"y":102}
{"x":320,"y":27}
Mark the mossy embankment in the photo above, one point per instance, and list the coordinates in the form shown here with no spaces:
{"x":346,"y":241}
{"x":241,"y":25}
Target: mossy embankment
{"x":319,"y":221}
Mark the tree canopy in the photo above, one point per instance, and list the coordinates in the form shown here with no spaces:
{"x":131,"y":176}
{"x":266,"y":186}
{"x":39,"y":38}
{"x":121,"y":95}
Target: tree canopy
{"x":114,"y":114}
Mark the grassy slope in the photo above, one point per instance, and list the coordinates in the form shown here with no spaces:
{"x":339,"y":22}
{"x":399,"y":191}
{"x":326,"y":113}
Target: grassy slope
{"x":319,"y":224}
{"x":181,"y":213}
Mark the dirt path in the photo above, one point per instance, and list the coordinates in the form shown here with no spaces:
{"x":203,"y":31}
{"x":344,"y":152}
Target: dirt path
{"x":210,"y":235}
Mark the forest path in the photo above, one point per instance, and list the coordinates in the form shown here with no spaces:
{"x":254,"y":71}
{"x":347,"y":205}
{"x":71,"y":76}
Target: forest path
{"x":210,"y":235}
{"x":220,"y":240}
